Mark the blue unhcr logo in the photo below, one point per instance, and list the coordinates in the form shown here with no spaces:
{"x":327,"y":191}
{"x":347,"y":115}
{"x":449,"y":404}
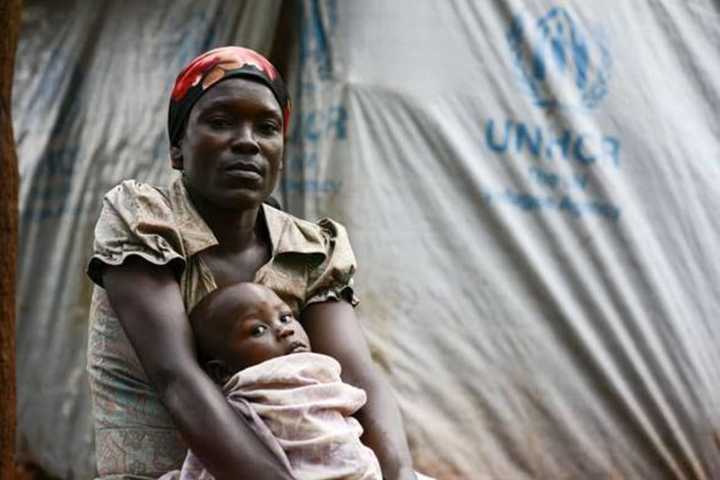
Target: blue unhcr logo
{"x":561,"y":65}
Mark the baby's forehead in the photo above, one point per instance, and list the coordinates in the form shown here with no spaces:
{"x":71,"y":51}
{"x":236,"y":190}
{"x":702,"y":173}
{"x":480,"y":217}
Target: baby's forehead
{"x":250,"y":288}
{"x":250,"y":298}
{"x":251,"y":294}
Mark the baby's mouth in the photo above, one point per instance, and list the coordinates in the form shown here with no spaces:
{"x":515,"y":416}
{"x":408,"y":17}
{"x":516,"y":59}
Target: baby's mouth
{"x":296,"y":347}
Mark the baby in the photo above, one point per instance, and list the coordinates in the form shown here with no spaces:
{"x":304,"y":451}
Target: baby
{"x":249,"y":340}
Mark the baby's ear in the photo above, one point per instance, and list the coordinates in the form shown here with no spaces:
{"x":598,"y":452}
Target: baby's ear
{"x":218,"y":371}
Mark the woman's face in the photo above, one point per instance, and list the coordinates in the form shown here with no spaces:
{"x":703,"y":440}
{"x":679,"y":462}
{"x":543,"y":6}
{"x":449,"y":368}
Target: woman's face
{"x":232,"y":150}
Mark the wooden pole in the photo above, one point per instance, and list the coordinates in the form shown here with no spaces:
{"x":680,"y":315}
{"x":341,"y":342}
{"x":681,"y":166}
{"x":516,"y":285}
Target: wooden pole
{"x":10,"y":25}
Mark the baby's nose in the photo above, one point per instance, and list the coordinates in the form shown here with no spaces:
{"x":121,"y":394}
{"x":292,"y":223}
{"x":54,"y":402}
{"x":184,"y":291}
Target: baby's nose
{"x":285,"y":330}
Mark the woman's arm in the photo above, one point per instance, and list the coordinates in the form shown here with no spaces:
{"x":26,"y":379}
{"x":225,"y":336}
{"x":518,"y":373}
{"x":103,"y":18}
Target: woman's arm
{"x":149,"y":304}
{"x":334,"y":330}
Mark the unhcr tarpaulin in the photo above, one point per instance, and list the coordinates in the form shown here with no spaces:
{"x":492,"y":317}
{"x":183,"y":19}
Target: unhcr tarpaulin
{"x":530,"y":188}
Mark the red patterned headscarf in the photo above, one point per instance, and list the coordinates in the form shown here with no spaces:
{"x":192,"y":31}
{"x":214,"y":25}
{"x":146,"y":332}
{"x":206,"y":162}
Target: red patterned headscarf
{"x":210,"y":68}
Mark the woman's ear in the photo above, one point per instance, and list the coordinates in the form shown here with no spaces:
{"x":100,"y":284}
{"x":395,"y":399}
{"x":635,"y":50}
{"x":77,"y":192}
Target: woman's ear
{"x":283,"y":159}
{"x":176,"y":158}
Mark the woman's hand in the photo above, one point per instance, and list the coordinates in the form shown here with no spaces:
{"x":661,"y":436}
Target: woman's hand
{"x":148,"y":302}
{"x":334,"y":330}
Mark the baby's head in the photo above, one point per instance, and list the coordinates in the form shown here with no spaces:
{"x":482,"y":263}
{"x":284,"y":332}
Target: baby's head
{"x":243,"y":324}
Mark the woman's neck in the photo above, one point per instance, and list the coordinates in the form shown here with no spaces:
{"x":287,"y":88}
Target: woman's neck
{"x":234,"y":229}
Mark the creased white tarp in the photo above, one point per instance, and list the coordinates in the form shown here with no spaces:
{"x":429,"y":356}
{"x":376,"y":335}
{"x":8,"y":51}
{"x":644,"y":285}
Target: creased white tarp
{"x":530,"y":188}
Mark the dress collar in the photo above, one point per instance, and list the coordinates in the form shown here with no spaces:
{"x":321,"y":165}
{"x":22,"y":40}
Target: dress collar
{"x":288,"y":234}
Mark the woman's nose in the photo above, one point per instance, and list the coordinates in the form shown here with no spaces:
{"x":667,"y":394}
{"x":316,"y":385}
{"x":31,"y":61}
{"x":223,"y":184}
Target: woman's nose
{"x":243,"y":140}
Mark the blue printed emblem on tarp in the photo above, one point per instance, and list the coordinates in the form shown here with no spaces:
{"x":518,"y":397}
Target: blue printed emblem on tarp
{"x":561,"y":64}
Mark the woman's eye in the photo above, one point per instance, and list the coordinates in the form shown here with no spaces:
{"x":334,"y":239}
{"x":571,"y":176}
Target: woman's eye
{"x":219,"y":122}
{"x":258,"y":330}
{"x":269,"y":128}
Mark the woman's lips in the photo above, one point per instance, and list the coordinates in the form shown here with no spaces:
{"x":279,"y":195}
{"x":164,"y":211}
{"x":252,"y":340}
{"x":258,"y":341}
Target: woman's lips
{"x":243,"y":174}
{"x":243,"y":166}
{"x":244,"y":171}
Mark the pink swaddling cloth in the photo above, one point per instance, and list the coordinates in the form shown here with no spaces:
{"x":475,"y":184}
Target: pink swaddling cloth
{"x":299,"y":406}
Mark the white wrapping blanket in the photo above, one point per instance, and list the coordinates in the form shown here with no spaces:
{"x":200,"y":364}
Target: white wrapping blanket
{"x":300,"y":407}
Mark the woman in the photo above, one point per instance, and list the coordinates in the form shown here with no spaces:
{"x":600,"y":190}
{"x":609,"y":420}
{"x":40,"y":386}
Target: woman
{"x":158,"y":251}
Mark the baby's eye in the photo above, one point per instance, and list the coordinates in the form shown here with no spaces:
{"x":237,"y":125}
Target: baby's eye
{"x":286,"y":318}
{"x":258,"y":330}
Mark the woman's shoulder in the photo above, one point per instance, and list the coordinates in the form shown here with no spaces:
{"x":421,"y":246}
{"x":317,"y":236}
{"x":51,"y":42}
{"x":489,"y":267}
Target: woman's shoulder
{"x":137,"y":194}
{"x":136,"y":219}
{"x":320,"y":233}
{"x":138,"y":204}
{"x":332,"y":269}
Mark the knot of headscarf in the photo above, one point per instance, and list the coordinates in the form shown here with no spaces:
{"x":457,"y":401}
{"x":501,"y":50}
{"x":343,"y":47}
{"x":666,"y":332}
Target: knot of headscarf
{"x":210,"y":68}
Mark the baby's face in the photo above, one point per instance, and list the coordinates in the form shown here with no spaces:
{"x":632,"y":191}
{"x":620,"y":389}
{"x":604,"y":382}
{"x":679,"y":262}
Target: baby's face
{"x":262,"y":327}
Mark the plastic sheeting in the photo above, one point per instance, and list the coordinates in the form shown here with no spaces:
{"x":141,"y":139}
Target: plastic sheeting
{"x":529,"y":187}
{"x":530,"y":190}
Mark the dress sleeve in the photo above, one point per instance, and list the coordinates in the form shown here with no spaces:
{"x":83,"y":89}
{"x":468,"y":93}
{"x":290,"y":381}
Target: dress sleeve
{"x":136,"y":219}
{"x":333,"y":278}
